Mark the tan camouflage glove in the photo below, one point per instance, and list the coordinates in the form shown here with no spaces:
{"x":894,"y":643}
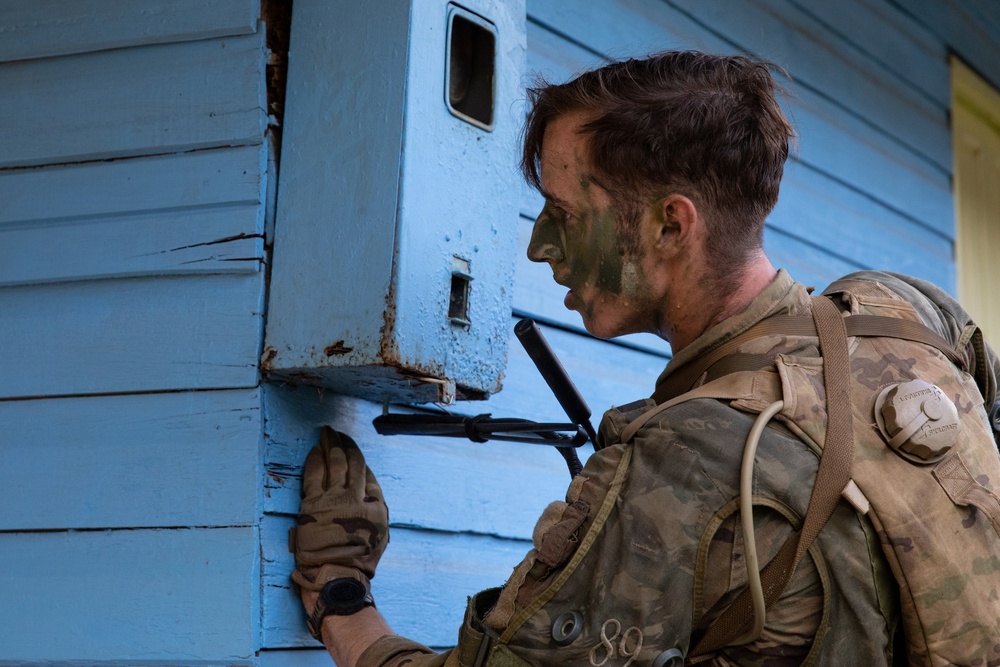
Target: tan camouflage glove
{"x":343,"y":524}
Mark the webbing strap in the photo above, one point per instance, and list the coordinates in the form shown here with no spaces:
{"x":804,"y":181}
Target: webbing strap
{"x":731,"y":387}
{"x":832,"y":476}
{"x":894,"y":327}
{"x":683,"y":378}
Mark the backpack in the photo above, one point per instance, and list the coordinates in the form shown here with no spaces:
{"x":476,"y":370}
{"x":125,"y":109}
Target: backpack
{"x":910,"y":446}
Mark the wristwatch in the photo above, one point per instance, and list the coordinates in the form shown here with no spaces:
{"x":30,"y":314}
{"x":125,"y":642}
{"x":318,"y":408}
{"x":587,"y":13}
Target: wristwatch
{"x":340,"y":597}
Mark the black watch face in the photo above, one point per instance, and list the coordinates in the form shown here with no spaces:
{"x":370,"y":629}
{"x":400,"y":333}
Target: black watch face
{"x":344,"y":596}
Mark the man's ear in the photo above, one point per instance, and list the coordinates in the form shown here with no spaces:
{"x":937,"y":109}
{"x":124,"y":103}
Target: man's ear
{"x":677,"y":221}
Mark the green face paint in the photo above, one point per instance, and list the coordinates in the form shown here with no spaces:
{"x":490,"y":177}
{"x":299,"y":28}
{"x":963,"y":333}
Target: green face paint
{"x":578,"y":234}
{"x":597,"y":259}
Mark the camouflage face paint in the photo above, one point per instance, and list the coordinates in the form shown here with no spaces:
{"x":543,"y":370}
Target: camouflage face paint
{"x":546,"y":238}
{"x":598,"y":257}
{"x":579,"y":235}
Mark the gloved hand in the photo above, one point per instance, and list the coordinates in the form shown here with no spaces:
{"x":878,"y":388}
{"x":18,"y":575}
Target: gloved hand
{"x":343,"y":524}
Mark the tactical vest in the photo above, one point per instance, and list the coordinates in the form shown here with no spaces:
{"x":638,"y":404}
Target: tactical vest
{"x":909,"y":445}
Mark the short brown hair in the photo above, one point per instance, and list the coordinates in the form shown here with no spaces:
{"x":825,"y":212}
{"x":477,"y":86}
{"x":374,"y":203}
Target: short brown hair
{"x":705,"y":126}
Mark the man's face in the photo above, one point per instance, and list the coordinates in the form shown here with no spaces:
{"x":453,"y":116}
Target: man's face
{"x":578,"y":235}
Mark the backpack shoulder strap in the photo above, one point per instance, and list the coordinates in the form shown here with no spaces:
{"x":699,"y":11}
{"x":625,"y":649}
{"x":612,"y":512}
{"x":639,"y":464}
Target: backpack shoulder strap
{"x":832,"y":477}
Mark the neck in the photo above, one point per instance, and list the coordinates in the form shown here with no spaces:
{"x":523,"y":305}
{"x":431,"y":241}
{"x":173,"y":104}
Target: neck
{"x":698,"y":302}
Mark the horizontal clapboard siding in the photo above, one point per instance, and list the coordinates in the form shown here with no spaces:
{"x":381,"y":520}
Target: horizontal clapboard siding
{"x":98,"y":190}
{"x":127,"y":102}
{"x":891,"y":38}
{"x":219,"y":240}
{"x":146,"y":334}
{"x":825,"y":62}
{"x":970,"y":28}
{"x":133,"y":188}
{"x":145,"y":597}
{"x":78,"y":26}
{"x":149,"y":460}
{"x":196,"y":212}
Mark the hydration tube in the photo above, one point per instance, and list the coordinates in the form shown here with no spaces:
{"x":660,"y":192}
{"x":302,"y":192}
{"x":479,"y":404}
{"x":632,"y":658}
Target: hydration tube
{"x":746,"y":520}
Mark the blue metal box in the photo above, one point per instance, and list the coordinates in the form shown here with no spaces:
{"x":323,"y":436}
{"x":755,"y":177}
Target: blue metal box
{"x":397,"y":208}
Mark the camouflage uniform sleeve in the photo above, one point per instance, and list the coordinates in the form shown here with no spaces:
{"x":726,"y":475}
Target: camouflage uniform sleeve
{"x":396,"y":651}
{"x":645,"y":552}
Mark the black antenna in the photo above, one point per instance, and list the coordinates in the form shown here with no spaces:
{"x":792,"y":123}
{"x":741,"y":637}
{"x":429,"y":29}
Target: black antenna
{"x":555,"y":375}
{"x":482,"y":428}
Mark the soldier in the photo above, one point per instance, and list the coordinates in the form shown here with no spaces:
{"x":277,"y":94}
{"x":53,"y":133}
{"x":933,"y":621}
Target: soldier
{"x":657,"y":176}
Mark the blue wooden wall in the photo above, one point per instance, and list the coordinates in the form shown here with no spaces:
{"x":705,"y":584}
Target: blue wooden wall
{"x":133,"y":179}
{"x":149,"y":476}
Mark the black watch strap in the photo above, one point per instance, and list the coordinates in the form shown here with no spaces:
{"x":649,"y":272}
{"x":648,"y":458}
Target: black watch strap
{"x":340,"y":597}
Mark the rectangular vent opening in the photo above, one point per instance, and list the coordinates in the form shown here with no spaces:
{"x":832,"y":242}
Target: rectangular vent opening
{"x":471,"y":68}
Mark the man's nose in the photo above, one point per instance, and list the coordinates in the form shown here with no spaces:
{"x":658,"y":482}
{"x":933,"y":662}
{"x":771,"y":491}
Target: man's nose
{"x":546,"y":242}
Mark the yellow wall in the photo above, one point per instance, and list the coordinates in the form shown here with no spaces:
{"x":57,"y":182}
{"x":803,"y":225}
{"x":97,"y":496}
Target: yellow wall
{"x":976,"y":137}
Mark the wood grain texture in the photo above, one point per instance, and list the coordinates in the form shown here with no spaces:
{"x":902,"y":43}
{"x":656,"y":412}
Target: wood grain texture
{"x":144,"y":334}
{"x":202,"y":241}
{"x":97,"y":190}
{"x":421,"y":585}
{"x":54,"y":28}
{"x":127,"y":102}
{"x":146,"y":596}
{"x":151,"y":460}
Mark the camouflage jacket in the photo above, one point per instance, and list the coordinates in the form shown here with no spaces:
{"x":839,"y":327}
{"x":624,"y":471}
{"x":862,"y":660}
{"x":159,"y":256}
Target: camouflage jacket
{"x":647,"y":550}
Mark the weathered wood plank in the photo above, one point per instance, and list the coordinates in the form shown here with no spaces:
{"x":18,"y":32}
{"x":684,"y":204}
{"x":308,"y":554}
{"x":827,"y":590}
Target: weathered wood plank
{"x":130,"y":335}
{"x":849,"y":150}
{"x":117,"y":187}
{"x":840,"y":144}
{"x":148,"y":596}
{"x":200,"y":241}
{"x":127,"y":102}
{"x":156,"y":460}
{"x":55,"y":28}
{"x":421,"y":584}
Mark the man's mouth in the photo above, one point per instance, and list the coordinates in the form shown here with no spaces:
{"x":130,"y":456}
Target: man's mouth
{"x":570,"y":300}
